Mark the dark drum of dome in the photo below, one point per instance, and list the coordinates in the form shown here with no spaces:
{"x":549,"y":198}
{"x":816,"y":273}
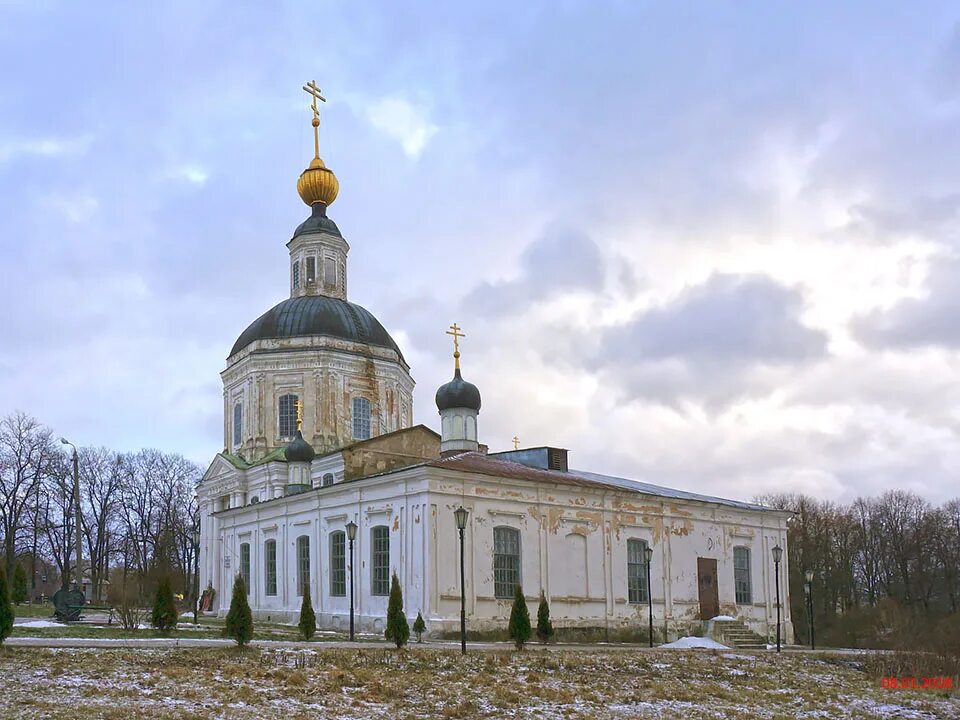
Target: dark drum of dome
{"x":317,"y":315}
{"x":318,"y":222}
{"x":299,"y":450}
{"x":458,"y":393}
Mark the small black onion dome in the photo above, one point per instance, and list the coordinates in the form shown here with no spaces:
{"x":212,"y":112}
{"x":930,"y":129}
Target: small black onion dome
{"x":299,"y":450}
{"x":458,"y":393}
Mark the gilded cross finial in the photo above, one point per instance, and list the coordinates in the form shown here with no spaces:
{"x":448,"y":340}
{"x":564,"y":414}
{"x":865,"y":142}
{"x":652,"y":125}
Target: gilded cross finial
{"x":299,"y":406}
{"x":516,"y":443}
{"x":311,"y":89}
{"x":455,"y":331}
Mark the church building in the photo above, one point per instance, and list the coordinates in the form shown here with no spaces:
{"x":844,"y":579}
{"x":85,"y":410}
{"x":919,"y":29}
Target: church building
{"x":326,"y":486}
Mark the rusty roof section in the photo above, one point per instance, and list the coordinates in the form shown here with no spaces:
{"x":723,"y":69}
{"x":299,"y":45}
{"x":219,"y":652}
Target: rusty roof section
{"x":481,"y":464}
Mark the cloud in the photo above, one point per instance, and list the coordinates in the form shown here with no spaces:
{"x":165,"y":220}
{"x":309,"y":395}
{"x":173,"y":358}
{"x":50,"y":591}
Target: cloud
{"x":43,"y":147}
{"x":402,"y":121}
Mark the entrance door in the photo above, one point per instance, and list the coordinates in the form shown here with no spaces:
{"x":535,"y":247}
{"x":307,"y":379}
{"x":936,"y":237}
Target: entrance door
{"x":707,"y":584}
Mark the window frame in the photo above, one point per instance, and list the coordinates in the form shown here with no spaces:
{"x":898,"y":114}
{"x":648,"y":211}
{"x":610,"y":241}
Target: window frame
{"x":245,"y":565}
{"x":237,"y":424}
{"x":638,"y":592}
{"x":338,"y":563}
{"x":311,"y":271}
{"x":303,"y":564}
{"x":503,"y":562}
{"x":327,"y":480}
{"x":296,"y":274}
{"x":364,"y":418}
{"x":270,"y":573}
{"x":742,"y":586}
{"x":380,"y":570}
{"x":290,"y":417}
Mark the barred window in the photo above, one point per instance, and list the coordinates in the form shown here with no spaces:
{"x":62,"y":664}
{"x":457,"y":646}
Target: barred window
{"x":637,"y":589}
{"x":303,"y":565}
{"x":296,"y":273}
{"x":245,"y":565}
{"x":361,"y":418}
{"x":741,"y":575}
{"x":237,"y":424}
{"x":380,"y":560}
{"x":506,"y":561}
{"x":270,"y":567}
{"x":327,"y":480}
{"x":287,"y":415}
{"x":338,"y":563}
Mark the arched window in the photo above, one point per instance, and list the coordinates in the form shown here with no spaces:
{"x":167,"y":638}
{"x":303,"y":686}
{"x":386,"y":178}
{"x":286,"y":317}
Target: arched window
{"x":287,"y":415}
{"x":270,"y":567}
{"x":338,"y":563}
{"x":327,"y":480}
{"x":361,"y":418}
{"x":237,"y":424}
{"x":380,"y":560}
{"x":245,"y":565}
{"x":637,"y":590}
{"x":506,"y":561}
{"x":303,"y":565}
{"x":296,"y":273}
{"x":741,"y":575}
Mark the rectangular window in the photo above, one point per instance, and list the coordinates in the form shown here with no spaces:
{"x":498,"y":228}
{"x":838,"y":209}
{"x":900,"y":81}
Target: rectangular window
{"x":329,"y":272}
{"x":741,"y":575}
{"x":338,"y":563}
{"x":361,"y":418}
{"x":237,"y":424}
{"x":270,"y":567}
{"x":311,"y":270}
{"x":637,"y":589}
{"x":380,"y":560}
{"x":296,"y":274}
{"x":287,"y":415}
{"x":506,"y":561}
{"x":303,"y":565}
{"x":245,"y":565}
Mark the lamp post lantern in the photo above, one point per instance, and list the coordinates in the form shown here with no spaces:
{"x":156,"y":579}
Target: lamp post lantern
{"x":460,"y":514}
{"x":648,"y":556}
{"x":351,"y":536}
{"x":809,"y":575}
{"x":76,"y":507}
{"x":777,"y":557}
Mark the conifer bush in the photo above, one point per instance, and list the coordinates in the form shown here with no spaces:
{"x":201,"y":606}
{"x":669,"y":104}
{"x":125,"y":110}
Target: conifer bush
{"x":419,"y":627}
{"x":19,"y":584}
{"x":397,"y":628}
{"x":519,"y":619}
{"x":544,"y":626}
{"x":164,"y":617}
{"x":308,"y":619}
{"x":239,"y":623}
{"x":6,"y":609}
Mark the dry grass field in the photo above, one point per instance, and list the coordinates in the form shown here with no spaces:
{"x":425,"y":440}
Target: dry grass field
{"x":377,"y":683}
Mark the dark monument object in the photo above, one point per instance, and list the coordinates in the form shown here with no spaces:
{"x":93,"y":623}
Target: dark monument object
{"x":68,"y":604}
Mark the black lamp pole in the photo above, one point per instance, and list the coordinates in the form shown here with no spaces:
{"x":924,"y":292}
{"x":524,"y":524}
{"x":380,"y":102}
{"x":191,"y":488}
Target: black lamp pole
{"x":648,"y":556}
{"x":777,"y":556}
{"x":461,"y":517}
{"x":813,"y":644}
{"x":351,"y":536}
{"x":196,"y":571}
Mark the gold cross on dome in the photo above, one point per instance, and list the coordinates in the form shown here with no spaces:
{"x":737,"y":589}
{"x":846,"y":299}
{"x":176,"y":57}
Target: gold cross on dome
{"x":311,"y":89}
{"x":455,"y":331}
{"x":516,"y":443}
{"x":299,"y":406}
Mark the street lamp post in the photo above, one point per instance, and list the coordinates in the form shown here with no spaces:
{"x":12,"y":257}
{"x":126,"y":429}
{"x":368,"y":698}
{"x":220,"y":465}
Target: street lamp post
{"x":809,"y":574}
{"x":777,"y":556}
{"x":196,"y":572}
{"x":351,"y":536}
{"x":648,"y":556}
{"x":461,"y":517}
{"x":76,"y":505}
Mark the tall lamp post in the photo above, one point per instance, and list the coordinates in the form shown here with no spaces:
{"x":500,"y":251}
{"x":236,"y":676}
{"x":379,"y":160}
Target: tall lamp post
{"x":351,"y":536}
{"x":813,"y":644}
{"x":461,"y":517}
{"x":777,"y":557}
{"x":648,"y":556}
{"x":196,"y":571}
{"x":76,"y":505}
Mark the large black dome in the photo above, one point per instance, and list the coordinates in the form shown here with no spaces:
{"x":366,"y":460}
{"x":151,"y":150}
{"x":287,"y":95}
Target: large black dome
{"x":458,"y":393}
{"x":317,"y":315}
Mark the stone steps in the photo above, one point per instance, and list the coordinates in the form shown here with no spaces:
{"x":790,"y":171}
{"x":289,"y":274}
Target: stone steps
{"x":736,"y":634}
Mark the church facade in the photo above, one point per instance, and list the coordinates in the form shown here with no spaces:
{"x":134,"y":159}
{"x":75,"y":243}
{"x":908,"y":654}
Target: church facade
{"x":319,"y":441}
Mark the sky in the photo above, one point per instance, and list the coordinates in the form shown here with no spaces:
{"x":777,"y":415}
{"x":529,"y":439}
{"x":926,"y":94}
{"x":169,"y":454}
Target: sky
{"x":712,"y":246}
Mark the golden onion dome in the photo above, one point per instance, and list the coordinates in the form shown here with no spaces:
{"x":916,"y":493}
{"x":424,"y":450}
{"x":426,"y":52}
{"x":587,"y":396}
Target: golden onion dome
{"x":318,"y":184}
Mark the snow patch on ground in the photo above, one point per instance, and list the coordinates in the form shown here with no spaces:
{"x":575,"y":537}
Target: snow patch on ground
{"x":695,"y":642}
{"x":723,"y":617}
{"x":39,"y":624}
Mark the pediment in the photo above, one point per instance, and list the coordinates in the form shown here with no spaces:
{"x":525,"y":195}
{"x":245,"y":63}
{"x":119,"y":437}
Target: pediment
{"x":220,"y":469}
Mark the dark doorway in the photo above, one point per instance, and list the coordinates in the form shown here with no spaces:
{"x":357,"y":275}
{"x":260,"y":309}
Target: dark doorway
{"x":707,"y":584}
